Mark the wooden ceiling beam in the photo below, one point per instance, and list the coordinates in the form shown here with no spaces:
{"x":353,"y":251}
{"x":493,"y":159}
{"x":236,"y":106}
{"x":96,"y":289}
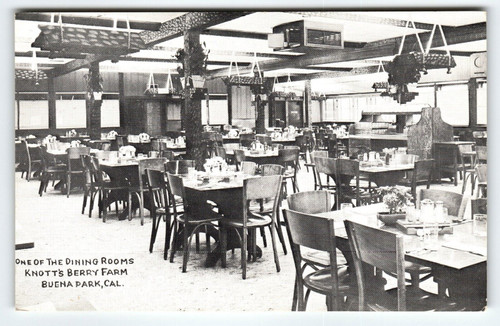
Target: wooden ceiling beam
{"x":382,"y":48}
{"x":87,"y":20}
{"x":331,"y":74}
{"x":350,"y":16}
{"x":77,"y":64}
{"x":199,"y":20}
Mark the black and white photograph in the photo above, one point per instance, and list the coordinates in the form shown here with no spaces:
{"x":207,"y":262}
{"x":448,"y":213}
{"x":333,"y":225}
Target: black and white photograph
{"x":250,"y":160}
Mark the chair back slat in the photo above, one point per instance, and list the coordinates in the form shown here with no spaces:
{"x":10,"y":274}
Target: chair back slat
{"x":176,"y":185}
{"x":74,"y":153}
{"x":482,"y":154}
{"x":263,"y":187}
{"x":348,"y":167}
{"x":246,"y":140}
{"x":464,"y":148}
{"x":381,"y":249}
{"x":157,"y":187}
{"x":482,"y":173}
{"x":179,"y":166}
{"x":271,"y":169}
{"x":423,"y":170}
{"x":239,"y":155}
{"x":451,"y":200}
{"x":479,"y":206}
{"x":264,"y":139}
{"x":220,"y":152}
{"x":151,"y":163}
{"x":311,"y":231}
{"x":325,"y":165}
{"x":310,"y":202}
{"x":288,"y":156}
{"x":248,"y":167}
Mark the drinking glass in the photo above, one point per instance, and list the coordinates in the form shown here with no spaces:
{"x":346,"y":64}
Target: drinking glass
{"x":345,"y":209}
{"x":480,"y":225}
{"x":410,"y":213}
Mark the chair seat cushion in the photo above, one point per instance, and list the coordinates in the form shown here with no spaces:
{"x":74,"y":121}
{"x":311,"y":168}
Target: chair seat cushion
{"x":321,"y":281}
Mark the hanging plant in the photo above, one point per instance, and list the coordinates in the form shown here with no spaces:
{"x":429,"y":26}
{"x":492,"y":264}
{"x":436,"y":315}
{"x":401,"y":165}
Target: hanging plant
{"x":94,"y":85}
{"x":198,"y":58}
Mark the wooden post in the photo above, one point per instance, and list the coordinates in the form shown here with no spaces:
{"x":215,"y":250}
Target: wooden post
{"x":93,"y":105}
{"x":472,"y":103}
{"x":192,"y":106}
{"x":121,"y":96}
{"x":308,"y":103}
{"x":52,"y":103}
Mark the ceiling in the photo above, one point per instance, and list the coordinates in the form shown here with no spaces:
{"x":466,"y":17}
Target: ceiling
{"x":244,"y":40}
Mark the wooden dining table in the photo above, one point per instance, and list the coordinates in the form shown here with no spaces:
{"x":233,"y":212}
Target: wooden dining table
{"x":259,"y":157}
{"x":385,"y":175}
{"x":458,"y":261}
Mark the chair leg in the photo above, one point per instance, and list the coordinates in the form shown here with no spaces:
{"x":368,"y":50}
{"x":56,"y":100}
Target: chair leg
{"x":68,"y":185}
{"x":207,"y":238}
{"x":275,"y":251}
{"x":185,"y":248}
{"x":223,"y":245}
{"x":154,"y":230}
{"x":104,"y":206}
{"x":141,"y":206}
{"x":294,"y":300}
{"x":197,"y":240}
{"x":85,"y":194}
{"x":244,"y":244}
{"x":175,"y":240}
{"x":168,"y":232}
{"x":263,"y":235}
{"x":280,"y":235}
{"x":129,"y":204}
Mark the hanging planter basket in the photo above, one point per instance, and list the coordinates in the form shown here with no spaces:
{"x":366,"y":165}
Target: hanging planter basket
{"x":242,"y":80}
{"x":97,"y":96}
{"x":198,"y":81}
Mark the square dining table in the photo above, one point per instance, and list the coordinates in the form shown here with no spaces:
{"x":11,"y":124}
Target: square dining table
{"x":458,"y":262}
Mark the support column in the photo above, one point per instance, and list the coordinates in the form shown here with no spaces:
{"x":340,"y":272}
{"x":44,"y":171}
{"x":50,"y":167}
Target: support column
{"x":93,"y":105}
{"x":472,"y":103}
{"x":308,"y":103}
{"x":192,"y":105}
{"x":121,"y":96}
{"x":52,"y":103}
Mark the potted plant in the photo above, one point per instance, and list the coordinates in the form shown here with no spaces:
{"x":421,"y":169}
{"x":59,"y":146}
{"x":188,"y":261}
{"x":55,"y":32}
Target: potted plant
{"x":198,"y":57}
{"x":396,"y":199}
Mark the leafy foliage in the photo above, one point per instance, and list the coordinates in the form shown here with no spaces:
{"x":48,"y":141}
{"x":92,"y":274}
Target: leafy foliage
{"x":395,"y":197}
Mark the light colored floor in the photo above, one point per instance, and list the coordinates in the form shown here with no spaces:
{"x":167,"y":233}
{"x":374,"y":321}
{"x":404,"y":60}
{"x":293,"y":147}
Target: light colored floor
{"x":148,"y":283}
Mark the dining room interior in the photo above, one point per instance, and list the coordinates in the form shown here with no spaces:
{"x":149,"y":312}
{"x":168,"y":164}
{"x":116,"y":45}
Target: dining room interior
{"x":231,"y":161}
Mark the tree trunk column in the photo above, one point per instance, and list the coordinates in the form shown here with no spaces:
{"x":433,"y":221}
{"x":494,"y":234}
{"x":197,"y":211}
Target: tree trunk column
{"x":260,"y":124}
{"x":94,"y":106}
{"x":192,"y":106}
{"x":308,"y":103}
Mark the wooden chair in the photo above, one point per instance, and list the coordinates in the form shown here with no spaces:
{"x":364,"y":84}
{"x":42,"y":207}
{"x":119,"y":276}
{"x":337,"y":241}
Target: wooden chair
{"x":179,"y":166}
{"x":239,"y":156}
{"x":30,"y":160}
{"x":482,"y":179}
{"x":324,"y":165}
{"x":456,"y":203}
{"x":481,"y":154}
{"x":313,"y":202}
{"x":466,"y":165}
{"x":317,"y":233}
{"x":479,"y":206}
{"x":74,"y":165}
{"x":50,"y":170}
{"x":422,"y":173}
{"x":264,"y":139}
{"x":160,"y":207}
{"x":191,"y":220}
{"x":254,"y":189}
{"x":101,"y":187}
{"x":265,"y":207}
{"x":168,"y":154}
{"x":220,"y":151}
{"x":384,"y":250}
{"x":246,"y":140}
{"x":348,"y":170}
{"x":138,"y":183}
{"x":289,"y":158}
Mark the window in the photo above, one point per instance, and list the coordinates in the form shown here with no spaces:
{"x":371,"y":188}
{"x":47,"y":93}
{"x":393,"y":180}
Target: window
{"x":482,"y":107}
{"x":453,"y":100}
{"x":33,"y":114}
{"x":110,"y":113}
{"x":71,"y":114}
